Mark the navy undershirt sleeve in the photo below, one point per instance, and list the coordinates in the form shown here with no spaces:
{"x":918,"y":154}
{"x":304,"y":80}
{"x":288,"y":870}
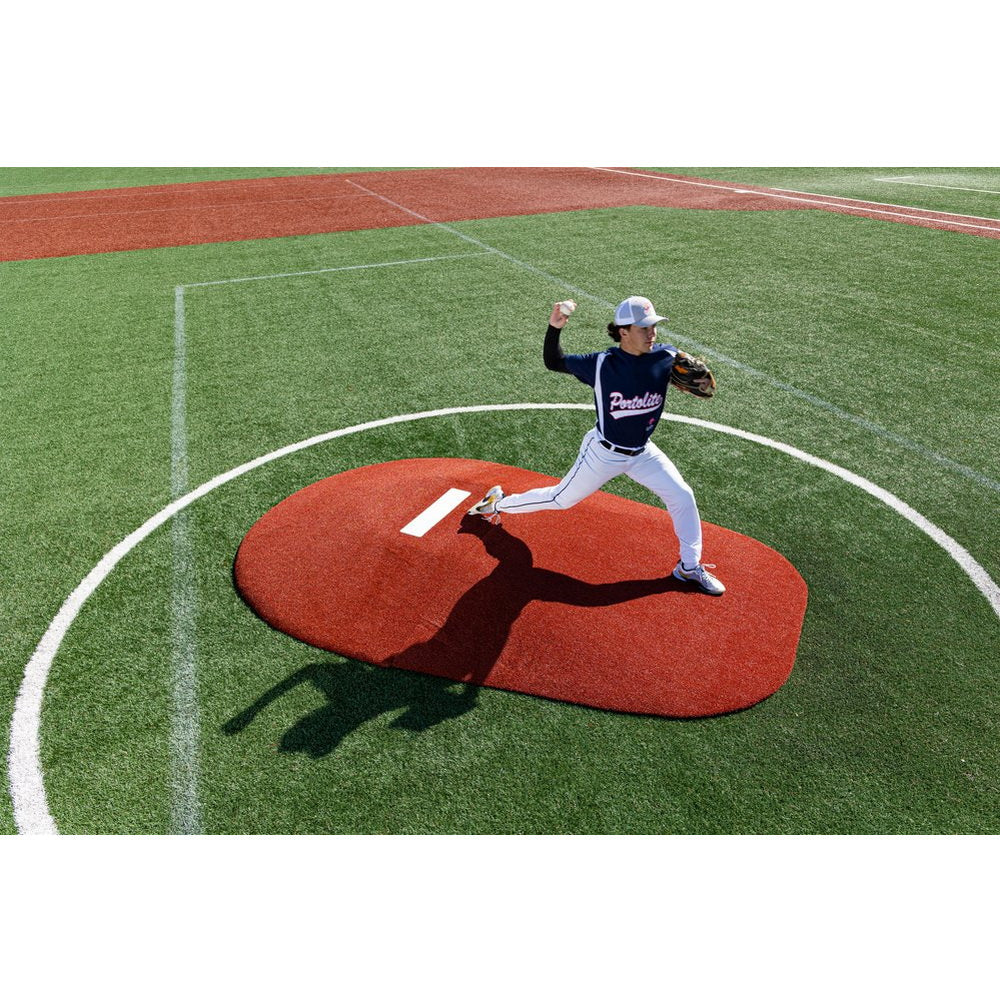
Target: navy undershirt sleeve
{"x":552,"y":353}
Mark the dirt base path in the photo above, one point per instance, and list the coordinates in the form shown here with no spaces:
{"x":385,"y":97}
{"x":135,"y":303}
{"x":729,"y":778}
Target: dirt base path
{"x":142,"y":218}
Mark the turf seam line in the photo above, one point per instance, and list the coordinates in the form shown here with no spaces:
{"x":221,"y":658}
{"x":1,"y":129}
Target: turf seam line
{"x":26,"y":783}
{"x":942,"y":460}
{"x":480,"y":243}
{"x":185,"y":729}
{"x":787,"y":194}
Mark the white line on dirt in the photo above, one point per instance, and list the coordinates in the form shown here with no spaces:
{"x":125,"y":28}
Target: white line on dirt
{"x":434,"y":514}
{"x":820,"y":200}
{"x":943,"y":187}
{"x":27,"y":785}
{"x":945,"y":216}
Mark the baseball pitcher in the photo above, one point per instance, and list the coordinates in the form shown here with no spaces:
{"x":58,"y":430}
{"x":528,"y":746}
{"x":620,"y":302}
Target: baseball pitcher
{"x":630,"y":381}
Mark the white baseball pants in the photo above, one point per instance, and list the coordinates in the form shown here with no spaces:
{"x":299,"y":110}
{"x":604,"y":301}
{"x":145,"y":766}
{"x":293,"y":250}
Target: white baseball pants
{"x":596,"y":465}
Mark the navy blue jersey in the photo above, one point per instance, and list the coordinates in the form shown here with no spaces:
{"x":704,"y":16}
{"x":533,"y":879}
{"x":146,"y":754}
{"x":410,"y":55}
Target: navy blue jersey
{"x":629,"y":390}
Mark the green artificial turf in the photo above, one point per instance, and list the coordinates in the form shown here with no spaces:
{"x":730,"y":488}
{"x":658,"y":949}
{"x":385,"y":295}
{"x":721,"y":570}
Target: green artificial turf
{"x":888,"y":722}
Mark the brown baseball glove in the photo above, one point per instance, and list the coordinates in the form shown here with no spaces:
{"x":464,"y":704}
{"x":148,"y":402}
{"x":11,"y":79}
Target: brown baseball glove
{"x":692,"y":375}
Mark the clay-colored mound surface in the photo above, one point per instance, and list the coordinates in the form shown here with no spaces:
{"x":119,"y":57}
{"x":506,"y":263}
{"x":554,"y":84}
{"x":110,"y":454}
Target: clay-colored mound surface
{"x":576,"y":605}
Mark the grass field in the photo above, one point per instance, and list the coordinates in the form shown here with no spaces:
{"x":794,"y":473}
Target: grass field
{"x":870,"y":344}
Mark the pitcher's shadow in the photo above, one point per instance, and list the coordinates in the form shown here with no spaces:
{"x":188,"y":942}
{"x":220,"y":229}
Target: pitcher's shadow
{"x":470,"y":641}
{"x":357,"y":693}
{"x":464,"y":650}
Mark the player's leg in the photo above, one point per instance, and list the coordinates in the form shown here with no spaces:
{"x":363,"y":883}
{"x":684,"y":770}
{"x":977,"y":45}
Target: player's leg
{"x":656,"y":472}
{"x":590,"y":472}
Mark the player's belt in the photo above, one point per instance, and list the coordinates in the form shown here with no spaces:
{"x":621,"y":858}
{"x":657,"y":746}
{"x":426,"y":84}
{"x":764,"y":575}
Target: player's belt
{"x":621,"y":451}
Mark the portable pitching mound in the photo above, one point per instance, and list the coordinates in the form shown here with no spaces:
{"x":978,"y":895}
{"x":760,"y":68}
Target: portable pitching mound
{"x":382,"y":564}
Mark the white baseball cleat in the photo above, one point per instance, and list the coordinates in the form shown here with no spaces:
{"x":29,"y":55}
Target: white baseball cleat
{"x":487,"y":506}
{"x":701,"y":576}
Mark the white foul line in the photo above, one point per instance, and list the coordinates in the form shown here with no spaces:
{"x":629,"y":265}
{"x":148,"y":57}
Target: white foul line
{"x":942,"y":460}
{"x":27,"y":784}
{"x":811,"y":199}
{"x":437,"y":511}
{"x":944,"y":187}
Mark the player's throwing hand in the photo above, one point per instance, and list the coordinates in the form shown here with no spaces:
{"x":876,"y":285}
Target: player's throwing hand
{"x":561,"y":313}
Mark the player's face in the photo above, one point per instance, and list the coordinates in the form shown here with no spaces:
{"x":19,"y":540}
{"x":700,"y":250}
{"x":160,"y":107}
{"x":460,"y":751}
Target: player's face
{"x":638,"y":339}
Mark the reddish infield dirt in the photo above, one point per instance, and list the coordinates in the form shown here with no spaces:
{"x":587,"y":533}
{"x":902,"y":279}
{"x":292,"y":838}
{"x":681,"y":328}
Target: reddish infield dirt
{"x":60,"y":225}
{"x":575,"y":605}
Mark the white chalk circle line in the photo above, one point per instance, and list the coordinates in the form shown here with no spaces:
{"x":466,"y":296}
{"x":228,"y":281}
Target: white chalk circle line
{"x":26,"y":782}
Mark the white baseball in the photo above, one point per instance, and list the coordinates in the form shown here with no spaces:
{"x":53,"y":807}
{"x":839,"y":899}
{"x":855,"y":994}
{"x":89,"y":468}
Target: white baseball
{"x":567,"y":307}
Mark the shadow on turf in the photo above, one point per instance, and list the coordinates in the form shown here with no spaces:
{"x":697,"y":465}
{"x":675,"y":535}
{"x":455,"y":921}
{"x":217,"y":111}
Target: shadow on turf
{"x":357,"y":693}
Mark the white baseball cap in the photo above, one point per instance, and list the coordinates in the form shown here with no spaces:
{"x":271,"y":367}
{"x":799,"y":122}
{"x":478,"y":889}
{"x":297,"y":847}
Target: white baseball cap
{"x":637,"y":311}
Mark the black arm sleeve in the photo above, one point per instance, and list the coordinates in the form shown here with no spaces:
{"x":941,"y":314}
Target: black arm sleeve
{"x":552,"y":353}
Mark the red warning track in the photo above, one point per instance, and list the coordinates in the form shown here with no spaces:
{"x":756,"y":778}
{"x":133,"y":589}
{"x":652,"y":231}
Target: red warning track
{"x":143,"y":218}
{"x":578,"y":605}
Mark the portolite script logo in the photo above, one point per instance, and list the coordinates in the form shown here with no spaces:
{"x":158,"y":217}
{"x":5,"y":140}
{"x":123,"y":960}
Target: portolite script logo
{"x":634,"y":406}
